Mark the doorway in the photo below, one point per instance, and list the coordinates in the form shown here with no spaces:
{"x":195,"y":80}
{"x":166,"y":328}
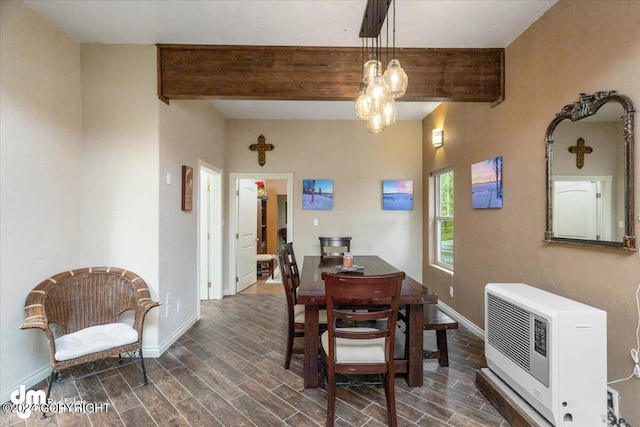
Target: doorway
{"x":243,"y":220}
{"x":209,"y":232}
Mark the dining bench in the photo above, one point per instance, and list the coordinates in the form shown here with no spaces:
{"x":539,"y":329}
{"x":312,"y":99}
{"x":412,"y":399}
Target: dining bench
{"x":435,"y":320}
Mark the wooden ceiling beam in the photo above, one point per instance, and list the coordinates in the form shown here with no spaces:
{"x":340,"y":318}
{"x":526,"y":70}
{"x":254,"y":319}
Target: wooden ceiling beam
{"x":322,"y":73}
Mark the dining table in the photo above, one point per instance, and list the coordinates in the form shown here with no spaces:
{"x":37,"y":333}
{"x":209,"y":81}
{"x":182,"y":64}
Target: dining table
{"x":311,"y":294}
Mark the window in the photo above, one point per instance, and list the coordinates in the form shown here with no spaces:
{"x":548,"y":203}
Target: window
{"x":444,"y":218}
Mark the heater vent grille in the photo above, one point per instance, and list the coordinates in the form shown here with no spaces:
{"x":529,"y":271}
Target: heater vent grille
{"x":509,"y":330}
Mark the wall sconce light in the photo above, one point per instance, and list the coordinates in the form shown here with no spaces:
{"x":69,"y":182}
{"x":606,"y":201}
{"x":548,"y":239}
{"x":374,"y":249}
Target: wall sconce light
{"x":436,"y":137}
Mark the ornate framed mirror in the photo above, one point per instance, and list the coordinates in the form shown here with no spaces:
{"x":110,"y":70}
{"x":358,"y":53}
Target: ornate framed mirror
{"x":590,"y":173}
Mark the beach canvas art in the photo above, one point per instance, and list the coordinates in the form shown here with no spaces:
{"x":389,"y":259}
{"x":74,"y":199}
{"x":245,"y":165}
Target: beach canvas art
{"x":397,"y":195}
{"x":486,"y":184}
{"x":317,"y":194}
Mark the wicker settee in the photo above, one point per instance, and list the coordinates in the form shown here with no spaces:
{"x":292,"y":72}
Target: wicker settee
{"x":86,"y":306}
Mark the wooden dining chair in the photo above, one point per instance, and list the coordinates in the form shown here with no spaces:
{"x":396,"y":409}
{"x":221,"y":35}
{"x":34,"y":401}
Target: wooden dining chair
{"x":293,"y":264}
{"x":334,"y":246}
{"x":361,"y":349}
{"x":295,"y":311}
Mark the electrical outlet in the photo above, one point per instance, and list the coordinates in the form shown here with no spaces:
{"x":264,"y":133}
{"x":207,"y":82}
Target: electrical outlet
{"x":451,"y":291}
{"x":613,"y":401}
{"x":178,"y":306}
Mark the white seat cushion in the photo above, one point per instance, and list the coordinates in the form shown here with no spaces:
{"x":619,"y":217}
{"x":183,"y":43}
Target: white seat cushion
{"x":94,"y":339}
{"x":264,"y":257}
{"x":356,"y":351}
{"x":298,"y":315}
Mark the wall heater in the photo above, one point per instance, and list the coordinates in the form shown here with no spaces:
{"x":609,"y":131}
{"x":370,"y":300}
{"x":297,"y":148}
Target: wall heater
{"x":550,"y":350}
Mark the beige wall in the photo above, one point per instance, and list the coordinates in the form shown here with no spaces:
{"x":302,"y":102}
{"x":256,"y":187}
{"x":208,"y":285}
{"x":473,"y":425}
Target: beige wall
{"x":40,"y":177}
{"x":578,"y":46}
{"x":189,"y":131}
{"x":357,"y":162}
{"x":120,"y":193}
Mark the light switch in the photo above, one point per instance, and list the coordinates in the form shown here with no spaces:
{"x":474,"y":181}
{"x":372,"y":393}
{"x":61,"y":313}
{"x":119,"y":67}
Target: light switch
{"x":168,"y":178}
{"x":315,"y":222}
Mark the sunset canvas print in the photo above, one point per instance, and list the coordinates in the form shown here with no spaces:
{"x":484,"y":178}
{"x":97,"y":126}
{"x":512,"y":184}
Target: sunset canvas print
{"x":486,"y":184}
{"x":397,"y":195}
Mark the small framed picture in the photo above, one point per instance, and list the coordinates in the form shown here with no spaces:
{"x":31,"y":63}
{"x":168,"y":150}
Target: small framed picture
{"x":397,"y":195}
{"x":187,"y":188}
{"x":317,"y":194}
{"x":486,"y":184}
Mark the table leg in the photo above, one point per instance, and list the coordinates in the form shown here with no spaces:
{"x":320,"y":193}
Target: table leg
{"x":415,"y":345}
{"x":311,"y":343}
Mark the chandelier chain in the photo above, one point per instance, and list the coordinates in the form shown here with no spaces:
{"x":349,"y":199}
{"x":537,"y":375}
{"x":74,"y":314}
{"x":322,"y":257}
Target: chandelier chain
{"x":394,"y":29}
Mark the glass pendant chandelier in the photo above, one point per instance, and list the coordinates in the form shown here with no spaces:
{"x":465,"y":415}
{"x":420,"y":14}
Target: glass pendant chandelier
{"x":389,"y":112}
{"x":376,"y":98}
{"x":362,"y":105}
{"x":377,"y":94}
{"x":394,"y":77}
{"x":375,"y":124}
{"x":370,"y":69}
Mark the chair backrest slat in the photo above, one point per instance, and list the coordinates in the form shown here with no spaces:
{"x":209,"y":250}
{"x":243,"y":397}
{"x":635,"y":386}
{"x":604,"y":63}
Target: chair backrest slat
{"x":293,"y":265}
{"x":289,"y":284}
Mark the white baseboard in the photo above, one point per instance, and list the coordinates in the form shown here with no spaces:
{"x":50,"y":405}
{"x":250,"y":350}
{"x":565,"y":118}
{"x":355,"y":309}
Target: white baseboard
{"x":147,"y":351}
{"x":157,"y":351}
{"x":479,"y":332}
{"x":28,"y":382}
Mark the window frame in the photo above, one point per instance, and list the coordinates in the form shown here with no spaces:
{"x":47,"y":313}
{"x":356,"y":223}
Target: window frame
{"x":439,"y":218}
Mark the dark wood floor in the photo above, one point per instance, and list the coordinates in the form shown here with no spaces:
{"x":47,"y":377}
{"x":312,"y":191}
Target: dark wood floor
{"x":227,"y":371}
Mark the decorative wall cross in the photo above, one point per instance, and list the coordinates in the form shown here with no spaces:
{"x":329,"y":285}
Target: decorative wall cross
{"x":580,"y":150}
{"x":261,"y":147}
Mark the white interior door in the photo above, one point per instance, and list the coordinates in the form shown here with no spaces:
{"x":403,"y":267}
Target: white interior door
{"x":575,"y":210}
{"x":247,"y":236}
{"x":205,"y":236}
{"x":210,"y":234}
